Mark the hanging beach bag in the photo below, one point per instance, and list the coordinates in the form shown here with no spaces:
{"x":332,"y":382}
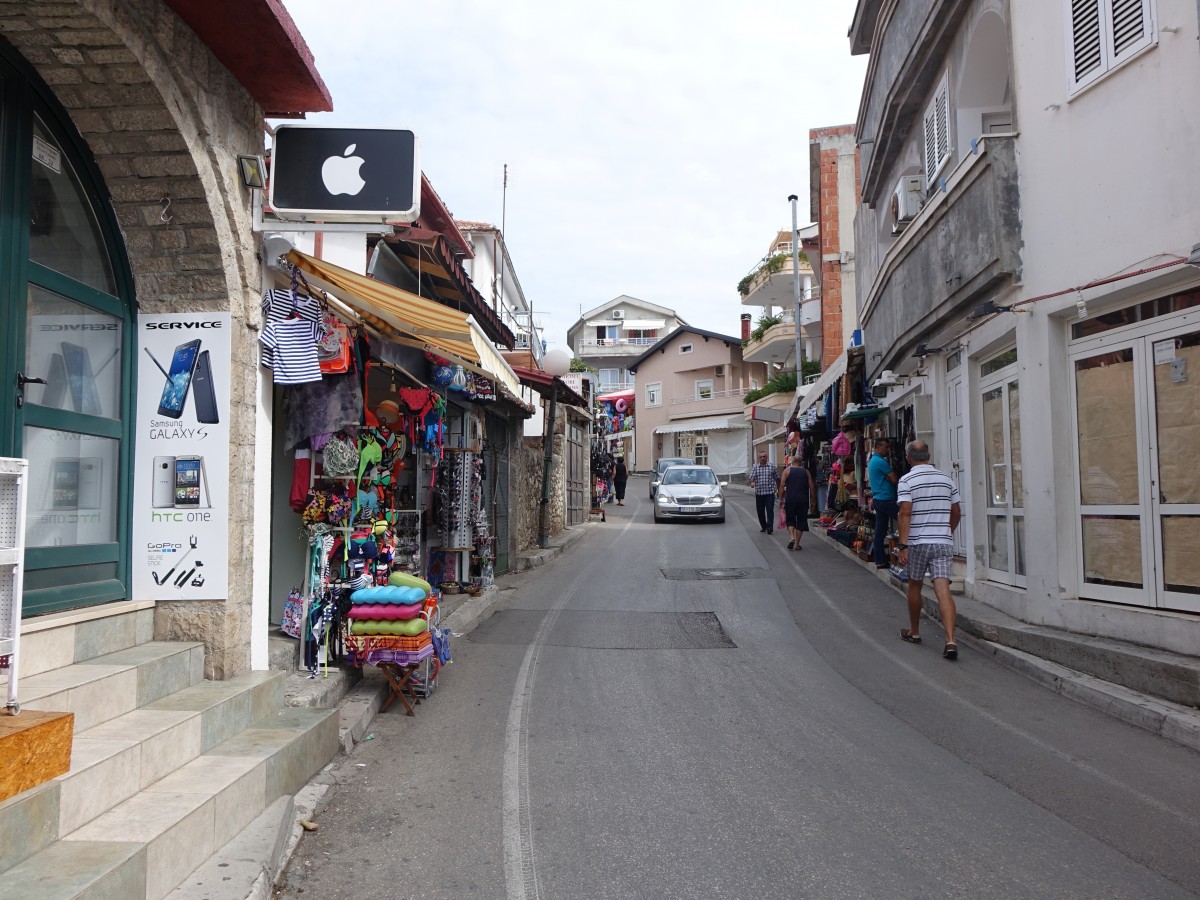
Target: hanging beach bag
{"x":333,"y":350}
{"x":341,"y":456}
{"x":293,"y":614}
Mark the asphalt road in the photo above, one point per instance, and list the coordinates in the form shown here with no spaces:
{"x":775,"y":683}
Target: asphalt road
{"x":690,"y":710}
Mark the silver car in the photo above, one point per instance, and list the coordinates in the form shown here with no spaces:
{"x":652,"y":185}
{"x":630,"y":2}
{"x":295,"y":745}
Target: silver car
{"x":689,"y":492}
{"x":661,"y":465}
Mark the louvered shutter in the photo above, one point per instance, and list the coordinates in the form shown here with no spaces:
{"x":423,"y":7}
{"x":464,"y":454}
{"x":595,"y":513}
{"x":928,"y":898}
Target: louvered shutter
{"x":930,"y":145}
{"x":937,"y":131}
{"x":1131,"y":28}
{"x":1087,"y":48}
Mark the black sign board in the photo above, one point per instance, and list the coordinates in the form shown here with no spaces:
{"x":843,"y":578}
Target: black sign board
{"x":345,"y":174}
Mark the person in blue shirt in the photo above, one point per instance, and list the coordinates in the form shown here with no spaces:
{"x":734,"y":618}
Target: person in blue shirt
{"x":883,"y":493}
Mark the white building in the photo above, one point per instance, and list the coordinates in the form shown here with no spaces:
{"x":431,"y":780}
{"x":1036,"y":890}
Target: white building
{"x":1028,"y":212}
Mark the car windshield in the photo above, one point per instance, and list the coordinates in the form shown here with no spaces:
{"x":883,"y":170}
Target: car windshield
{"x":663,"y":464}
{"x":679,"y":475}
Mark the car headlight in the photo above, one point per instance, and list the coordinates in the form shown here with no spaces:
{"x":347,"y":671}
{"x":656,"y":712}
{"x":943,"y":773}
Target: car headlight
{"x":663,"y":498}
{"x":715,"y":501}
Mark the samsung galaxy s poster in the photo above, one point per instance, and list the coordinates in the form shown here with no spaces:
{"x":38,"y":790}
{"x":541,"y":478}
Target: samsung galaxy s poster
{"x":181,"y":473}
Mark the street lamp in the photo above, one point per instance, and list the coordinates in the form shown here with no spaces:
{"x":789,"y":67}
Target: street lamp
{"x":556,"y":363}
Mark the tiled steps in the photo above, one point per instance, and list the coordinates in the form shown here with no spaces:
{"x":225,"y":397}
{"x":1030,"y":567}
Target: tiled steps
{"x":165,"y":769}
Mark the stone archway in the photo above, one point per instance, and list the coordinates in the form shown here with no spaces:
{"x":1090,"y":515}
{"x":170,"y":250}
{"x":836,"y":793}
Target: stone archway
{"x":164,"y":121}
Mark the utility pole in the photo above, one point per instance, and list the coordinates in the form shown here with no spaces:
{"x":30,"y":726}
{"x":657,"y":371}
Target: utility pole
{"x":796,"y":294}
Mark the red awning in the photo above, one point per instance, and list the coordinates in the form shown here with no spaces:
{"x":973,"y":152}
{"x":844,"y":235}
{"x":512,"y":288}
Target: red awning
{"x":260,"y":45}
{"x":544,"y":384}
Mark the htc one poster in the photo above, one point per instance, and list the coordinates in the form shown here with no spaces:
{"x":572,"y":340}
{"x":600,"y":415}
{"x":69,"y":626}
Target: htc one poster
{"x":181,"y":474}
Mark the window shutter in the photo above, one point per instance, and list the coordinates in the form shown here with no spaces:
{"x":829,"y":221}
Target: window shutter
{"x":1085,"y":39}
{"x":1130,"y":26}
{"x":930,"y":146}
{"x":941,"y":108}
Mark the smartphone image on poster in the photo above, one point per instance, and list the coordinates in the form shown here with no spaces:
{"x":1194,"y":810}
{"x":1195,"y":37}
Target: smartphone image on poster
{"x":187,"y":482}
{"x":89,"y":482}
{"x":162,"y":492}
{"x":203,"y":392}
{"x":179,"y":379}
{"x":55,"y":391}
{"x":81,"y":379}
{"x":64,"y":483}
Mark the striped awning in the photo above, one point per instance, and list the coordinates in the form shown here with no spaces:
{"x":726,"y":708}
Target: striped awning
{"x":392,"y":309}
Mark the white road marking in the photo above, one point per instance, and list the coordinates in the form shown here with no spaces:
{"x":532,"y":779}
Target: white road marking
{"x":520,"y":868}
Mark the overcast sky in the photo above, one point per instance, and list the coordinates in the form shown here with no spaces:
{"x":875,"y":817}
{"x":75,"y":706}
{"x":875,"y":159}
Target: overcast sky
{"x":651,"y":145}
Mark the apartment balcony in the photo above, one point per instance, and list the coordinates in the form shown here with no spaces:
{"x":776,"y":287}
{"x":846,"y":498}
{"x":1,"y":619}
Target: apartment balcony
{"x":961,"y":248}
{"x":714,"y":403}
{"x":773,"y":281}
{"x":611,"y":347}
{"x":613,"y":387}
{"x":777,"y":345}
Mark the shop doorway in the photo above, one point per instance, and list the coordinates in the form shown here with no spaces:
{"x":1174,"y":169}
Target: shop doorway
{"x":66,"y":360}
{"x":1139,"y":494}
{"x":578,"y":469}
{"x":1004,"y":528}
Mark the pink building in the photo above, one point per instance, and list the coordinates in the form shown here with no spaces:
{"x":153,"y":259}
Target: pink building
{"x":690,"y":386}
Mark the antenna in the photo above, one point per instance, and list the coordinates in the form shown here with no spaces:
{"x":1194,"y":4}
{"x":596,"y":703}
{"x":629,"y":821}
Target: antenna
{"x":503,"y":221}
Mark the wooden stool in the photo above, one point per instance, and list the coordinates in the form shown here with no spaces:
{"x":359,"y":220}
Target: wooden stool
{"x":399,"y":677}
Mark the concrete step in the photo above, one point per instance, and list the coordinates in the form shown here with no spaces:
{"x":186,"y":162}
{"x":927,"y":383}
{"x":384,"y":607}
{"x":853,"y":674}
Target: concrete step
{"x":148,"y":844}
{"x":108,"y":686}
{"x":113,"y":761}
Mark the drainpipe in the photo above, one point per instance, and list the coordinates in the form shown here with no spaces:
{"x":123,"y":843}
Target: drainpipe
{"x":796,"y":294}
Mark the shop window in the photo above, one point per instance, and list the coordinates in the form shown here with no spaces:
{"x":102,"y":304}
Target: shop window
{"x":700,"y":450}
{"x":996,"y":363}
{"x":63,"y":232}
{"x":1139,"y":312}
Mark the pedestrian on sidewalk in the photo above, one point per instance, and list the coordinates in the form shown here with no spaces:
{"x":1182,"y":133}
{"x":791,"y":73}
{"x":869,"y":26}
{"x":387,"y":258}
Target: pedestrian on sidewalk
{"x":620,"y":479}
{"x":929,"y":513}
{"x":797,"y":493}
{"x":883,"y":497}
{"x":764,"y":478}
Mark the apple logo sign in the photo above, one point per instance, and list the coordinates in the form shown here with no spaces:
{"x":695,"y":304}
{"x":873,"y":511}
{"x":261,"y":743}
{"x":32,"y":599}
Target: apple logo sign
{"x":340,"y":173}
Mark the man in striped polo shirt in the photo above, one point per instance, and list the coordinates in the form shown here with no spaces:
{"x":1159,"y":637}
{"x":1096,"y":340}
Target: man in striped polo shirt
{"x":929,"y":513}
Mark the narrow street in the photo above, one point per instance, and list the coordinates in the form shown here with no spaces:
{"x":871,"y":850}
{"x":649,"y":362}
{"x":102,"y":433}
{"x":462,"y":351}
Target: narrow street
{"x":690,"y":710}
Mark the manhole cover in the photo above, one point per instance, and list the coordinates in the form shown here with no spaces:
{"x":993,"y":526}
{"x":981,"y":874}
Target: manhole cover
{"x":714,"y":573}
{"x":722,"y":573}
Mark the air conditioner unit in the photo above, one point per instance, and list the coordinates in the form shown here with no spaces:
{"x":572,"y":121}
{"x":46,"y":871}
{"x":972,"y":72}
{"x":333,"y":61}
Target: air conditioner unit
{"x":906,"y":201}
{"x":718,"y":371}
{"x":618,"y":313}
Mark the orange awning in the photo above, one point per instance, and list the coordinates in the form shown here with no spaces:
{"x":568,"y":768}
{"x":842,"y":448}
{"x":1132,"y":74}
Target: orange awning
{"x":438,"y":327}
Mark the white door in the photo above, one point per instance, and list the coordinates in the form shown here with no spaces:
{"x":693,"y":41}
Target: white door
{"x":1004,"y":489}
{"x":955,"y":429}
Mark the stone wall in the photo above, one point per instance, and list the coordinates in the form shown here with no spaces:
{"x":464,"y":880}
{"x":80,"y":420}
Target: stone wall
{"x":526,"y":490}
{"x":166,"y":121}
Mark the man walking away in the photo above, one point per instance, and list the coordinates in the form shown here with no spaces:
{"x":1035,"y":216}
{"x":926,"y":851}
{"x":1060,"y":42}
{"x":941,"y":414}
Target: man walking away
{"x":796,"y":492}
{"x":883,"y":496}
{"x":764,"y":478}
{"x":929,"y":513}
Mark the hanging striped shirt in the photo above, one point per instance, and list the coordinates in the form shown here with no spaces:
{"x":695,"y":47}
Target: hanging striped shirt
{"x":293,"y":343}
{"x":277,"y":305}
{"x":931,"y":494}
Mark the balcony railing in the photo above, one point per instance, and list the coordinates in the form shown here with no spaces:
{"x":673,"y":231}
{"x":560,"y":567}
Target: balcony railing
{"x":736,"y":393}
{"x":618,"y":342}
